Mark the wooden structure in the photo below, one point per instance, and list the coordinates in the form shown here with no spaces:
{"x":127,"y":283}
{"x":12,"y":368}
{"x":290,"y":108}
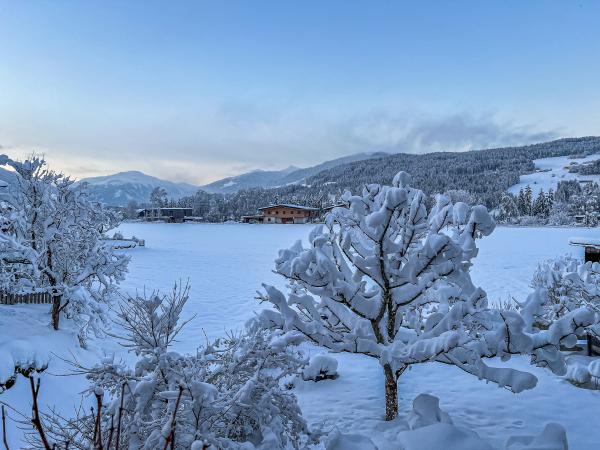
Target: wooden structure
{"x":30,"y":298}
{"x":593,"y":345}
{"x":591,"y":248}
{"x":282,"y":213}
{"x":171,"y":215}
{"x":125,"y":243}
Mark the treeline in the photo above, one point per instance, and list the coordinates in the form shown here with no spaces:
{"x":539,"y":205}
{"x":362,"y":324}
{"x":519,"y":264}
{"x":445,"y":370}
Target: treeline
{"x":591,"y":168}
{"x":485,"y":174}
{"x":571,"y":204}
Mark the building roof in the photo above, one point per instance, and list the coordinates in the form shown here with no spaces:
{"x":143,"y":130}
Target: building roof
{"x":338,"y":205}
{"x":585,"y":242}
{"x":168,"y":207}
{"x":287,"y":205}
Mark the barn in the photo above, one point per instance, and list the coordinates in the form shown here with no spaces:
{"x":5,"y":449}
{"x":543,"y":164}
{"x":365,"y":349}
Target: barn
{"x":282,"y":213}
{"x":591,"y":247}
{"x":167,"y":214}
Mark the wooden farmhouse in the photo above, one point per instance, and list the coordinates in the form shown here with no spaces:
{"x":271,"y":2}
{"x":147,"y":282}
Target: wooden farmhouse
{"x":591,"y":247}
{"x":282,"y":213}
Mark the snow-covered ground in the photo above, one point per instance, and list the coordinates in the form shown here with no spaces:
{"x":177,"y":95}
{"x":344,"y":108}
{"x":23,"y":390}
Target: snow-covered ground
{"x":551,"y":171}
{"x":226,"y":264}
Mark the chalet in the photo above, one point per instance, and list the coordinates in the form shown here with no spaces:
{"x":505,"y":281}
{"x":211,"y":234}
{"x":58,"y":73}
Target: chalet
{"x":282,"y":213}
{"x":591,"y":247}
{"x":174,"y":215}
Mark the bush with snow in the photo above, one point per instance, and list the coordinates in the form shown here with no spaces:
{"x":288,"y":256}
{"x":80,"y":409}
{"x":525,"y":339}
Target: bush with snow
{"x":389,"y":280}
{"x":321,"y":367}
{"x":552,"y":437}
{"x":231,"y":394}
{"x":430,"y":428}
{"x":426,"y":411}
{"x":561,"y":285}
{"x":19,"y":358}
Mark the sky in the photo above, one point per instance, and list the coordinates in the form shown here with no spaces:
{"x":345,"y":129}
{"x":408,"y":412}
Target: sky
{"x":196,"y":91}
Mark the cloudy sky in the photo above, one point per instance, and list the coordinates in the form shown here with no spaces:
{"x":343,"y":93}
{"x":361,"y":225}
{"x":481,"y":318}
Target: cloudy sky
{"x":195,"y":91}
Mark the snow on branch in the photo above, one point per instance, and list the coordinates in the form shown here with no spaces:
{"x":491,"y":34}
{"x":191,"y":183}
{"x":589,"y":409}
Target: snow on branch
{"x":388,"y":279}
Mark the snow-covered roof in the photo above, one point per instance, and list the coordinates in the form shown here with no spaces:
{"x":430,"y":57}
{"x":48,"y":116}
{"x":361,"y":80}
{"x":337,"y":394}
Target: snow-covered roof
{"x":287,"y":205}
{"x":168,"y":207}
{"x":585,"y":241}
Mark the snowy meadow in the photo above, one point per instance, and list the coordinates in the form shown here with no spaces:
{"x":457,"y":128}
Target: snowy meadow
{"x":227,"y":263}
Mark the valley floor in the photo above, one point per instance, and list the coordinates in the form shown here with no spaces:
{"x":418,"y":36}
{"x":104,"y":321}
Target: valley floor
{"x":226,"y":264}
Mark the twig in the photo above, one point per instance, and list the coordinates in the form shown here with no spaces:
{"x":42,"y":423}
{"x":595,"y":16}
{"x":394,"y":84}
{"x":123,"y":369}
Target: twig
{"x":171,"y":438}
{"x":118,"y":441}
{"x":4,"y":438}
{"x":98,"y":426}
{"x":35,"y":419}
{"x":110,"y":431}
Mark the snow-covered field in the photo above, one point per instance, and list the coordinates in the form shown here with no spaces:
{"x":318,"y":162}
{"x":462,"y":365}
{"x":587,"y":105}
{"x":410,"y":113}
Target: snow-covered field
{"x":552,"y":170}
{"x":226,"y":264}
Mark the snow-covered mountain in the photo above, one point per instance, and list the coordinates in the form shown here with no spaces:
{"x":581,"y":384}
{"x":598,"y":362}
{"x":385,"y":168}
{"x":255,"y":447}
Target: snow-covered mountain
{"x":256,"y":178}
{"x":276,"y":178}
{"x":121,"y":188}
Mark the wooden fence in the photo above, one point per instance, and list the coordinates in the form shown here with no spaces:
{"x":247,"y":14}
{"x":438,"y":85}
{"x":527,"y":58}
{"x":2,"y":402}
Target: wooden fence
{"x":32,"y":298}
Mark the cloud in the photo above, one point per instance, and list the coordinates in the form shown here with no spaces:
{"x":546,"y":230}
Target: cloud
{"x":456,"y":132}
{"x":256,"y":135}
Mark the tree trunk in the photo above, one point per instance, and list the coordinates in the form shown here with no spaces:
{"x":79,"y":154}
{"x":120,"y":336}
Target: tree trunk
{"x":56,"y":301}
{"x":391,"y":393}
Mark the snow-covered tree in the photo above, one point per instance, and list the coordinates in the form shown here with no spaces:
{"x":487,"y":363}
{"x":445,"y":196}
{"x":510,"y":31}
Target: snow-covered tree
{"x":131,"y":211}
{"x":459,"y":195}
{"x":158,"y":197}
{"x":587,"y":204}
{"x":230,"y":394}
{"x":541,"y":207}
{"x":560,"y":214}
{"x":525,"y":200}
{"x":388,"y":280}
{"x":18,"y":270}
{"x":63,"y":231}
{"x":566,"y":189}
{"x":507,"y":210}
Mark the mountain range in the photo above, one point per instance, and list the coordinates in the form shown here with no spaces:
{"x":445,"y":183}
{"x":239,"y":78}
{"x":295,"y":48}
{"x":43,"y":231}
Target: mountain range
{"x":271,"y":179}
{"x":121,"y":188}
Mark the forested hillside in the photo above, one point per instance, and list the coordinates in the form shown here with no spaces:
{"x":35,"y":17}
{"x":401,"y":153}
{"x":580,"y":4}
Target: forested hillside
{"x":485,"y":174}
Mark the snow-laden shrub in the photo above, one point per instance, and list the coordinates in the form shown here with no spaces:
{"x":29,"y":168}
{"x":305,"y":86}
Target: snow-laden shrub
{"x":426,"y":411}
{"x":561,"y":285}
{"x":231,"y":394}
{"x":390,"y":280}
{"x":552,"y":437}
{"x":18,"y":357}
{"x":432,"y":428}
{"x":321,"y":367}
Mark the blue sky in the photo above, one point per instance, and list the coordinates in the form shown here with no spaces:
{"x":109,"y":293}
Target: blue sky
{"x":196,"y":91}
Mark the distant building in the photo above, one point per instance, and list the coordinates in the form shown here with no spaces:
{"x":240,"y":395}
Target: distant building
{"x":591,"y":247}
{"x":174,"y":215}
{"x":282,"y":213}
